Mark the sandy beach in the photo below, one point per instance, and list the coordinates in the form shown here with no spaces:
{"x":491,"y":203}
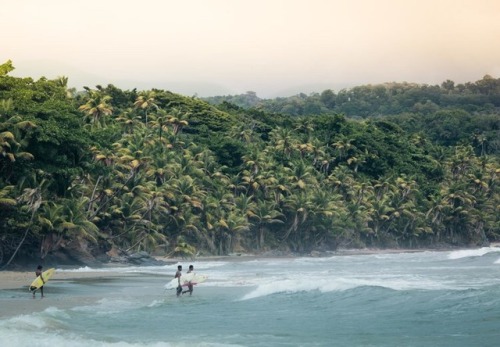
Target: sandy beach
{"x":16,"y":299}
{"x":68,"y":289}
{"x":60,"y":292}
{"x":22,"y":279}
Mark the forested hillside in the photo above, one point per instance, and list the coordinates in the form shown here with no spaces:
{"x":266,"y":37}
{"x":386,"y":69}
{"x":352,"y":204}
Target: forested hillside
{"x":380,"y":99}
{"x":104,"y":171}
{"x":475,"y":106}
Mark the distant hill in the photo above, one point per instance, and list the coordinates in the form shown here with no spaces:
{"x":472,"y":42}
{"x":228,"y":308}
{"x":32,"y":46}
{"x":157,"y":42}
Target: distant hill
{"x":381,"y":99}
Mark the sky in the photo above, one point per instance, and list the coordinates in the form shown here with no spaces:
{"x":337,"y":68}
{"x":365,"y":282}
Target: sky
{"x":272,"y":47}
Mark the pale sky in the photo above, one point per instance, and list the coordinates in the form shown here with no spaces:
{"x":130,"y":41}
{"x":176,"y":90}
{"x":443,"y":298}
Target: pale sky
{"x":272,"y":47}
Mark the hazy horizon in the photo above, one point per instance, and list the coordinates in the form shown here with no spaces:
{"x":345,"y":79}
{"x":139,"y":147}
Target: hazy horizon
{"x":274,"y":47}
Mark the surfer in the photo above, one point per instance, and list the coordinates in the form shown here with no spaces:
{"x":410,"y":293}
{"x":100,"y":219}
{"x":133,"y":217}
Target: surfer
{"x":189,"y":285}
{"x":38,"y":272}
{"x":178,"y":275}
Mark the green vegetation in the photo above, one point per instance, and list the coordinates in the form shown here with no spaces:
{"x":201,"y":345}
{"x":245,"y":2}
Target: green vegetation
{"x":107,"y":170}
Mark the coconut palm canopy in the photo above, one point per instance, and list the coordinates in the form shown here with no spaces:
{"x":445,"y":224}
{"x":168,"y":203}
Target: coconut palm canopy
{"x":83,"y":173}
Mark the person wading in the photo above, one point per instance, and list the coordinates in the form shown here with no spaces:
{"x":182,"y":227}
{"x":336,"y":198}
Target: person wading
{"x":178,"y":275}
{"x":190,"y":285}
{"x":38,"y":272}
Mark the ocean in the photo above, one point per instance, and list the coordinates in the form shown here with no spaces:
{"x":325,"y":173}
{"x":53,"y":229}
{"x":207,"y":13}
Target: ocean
{"x":385,"y":299}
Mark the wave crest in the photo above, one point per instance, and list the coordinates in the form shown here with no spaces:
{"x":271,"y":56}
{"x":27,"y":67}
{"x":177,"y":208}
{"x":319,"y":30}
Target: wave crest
{"x":466,"y":253}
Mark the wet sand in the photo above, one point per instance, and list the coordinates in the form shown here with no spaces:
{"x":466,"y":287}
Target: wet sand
{"x":22,"y":279}
{"x":16,"y":299}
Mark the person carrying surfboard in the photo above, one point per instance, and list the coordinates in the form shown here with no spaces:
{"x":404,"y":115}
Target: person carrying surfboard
{"x":178,"y":275}
{"x":38,"y":272}
{"x":189,"y":285}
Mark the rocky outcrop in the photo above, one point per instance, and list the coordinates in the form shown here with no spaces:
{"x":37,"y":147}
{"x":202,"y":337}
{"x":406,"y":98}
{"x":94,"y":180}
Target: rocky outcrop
{"x":139,"y":258}
{"x":85,"y":253}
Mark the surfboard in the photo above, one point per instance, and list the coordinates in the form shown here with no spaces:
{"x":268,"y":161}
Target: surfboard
{"x":192,"y":277}
{"x":37,"y":283}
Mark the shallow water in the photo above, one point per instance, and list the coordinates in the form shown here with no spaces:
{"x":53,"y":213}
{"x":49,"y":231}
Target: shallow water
{"x":406,"y":299}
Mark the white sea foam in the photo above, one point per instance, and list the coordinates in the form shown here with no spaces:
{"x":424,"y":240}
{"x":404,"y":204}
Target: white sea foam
{"x":19,"y":336}
{"x":50,"y":318}
{"x":51,"y":328}
{"x":472,"y":252}
{"x":108,"y":306}
{"x":120,"y":269}
{"x":156,"y":303}
{"x":154,"y":270}
{"x":325,"y":284}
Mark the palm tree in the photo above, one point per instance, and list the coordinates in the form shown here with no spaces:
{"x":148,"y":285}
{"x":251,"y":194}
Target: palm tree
{"x":146,"y":101}
{"x":97,"y":108}
{"x":13,"y":141}
{"x":179,"y":120}
{"x":228,"y":230}
{"x":32,"y":199}
{"x":327,"y":211}
{"x":380,"y":217}
{"x":51,"y":220}
{"x":183,"y":248}
{"x":283,"y":141}
{"x":6,"y":199}
{"x":302,"y":175}
{"x":343,"y":145}
{"x":62,"y":81}
{"x":305,"y":125}
{"x":243,"y":132}
{"x":76,"y":222}
{"x":297,"y":206}
{"x":343,"y":181}
{"x":318,"y":153}
{"x":481,"y":141}
{"x":187,"y":189}
{"x":161,"y":120}
{"x":262,"y":214}
{"x":6,"y":107}
{"x":125,"y":217}
{"x":129,"y":120}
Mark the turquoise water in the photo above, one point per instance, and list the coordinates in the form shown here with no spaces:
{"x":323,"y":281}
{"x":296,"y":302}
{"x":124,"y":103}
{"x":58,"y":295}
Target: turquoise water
{"x":405,"y":299}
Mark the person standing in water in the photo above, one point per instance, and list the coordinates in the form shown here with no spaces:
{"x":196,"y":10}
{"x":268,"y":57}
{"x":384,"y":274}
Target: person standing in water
{"x":178,"y":275}
{"x":190,"y":285}
{"x":38,"y":272}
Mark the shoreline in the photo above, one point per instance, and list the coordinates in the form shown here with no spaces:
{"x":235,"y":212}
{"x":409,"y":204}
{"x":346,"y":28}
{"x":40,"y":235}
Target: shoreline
{"x":72,"y":289}
{"x":21,"y":278}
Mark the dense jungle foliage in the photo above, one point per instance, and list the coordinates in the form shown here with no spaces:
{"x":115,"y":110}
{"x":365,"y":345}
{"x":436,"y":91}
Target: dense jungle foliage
{"x":103,"y":171}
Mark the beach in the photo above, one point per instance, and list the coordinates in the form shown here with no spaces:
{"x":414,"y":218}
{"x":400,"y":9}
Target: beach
{"x":376,"y":298}
{"x":15,"y":297}
{"x":22,"y":279}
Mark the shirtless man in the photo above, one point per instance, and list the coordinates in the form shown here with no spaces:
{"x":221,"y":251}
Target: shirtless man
{"x":178,"y":275}
{"x":38,"y":272}
{"x":190,"y":286}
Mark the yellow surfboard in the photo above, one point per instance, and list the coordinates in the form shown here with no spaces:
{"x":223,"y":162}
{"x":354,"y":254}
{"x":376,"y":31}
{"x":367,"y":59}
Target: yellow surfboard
{"x":37,"y":283}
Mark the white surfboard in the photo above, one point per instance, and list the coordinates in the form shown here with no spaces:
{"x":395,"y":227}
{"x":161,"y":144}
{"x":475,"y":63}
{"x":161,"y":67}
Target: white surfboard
{"x":191,"y":277}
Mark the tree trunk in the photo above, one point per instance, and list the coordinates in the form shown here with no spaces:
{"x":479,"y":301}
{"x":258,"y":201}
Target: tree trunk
{"x":261,"y":237}
{"x":18,"y":247}
{"x":50,"y":243}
